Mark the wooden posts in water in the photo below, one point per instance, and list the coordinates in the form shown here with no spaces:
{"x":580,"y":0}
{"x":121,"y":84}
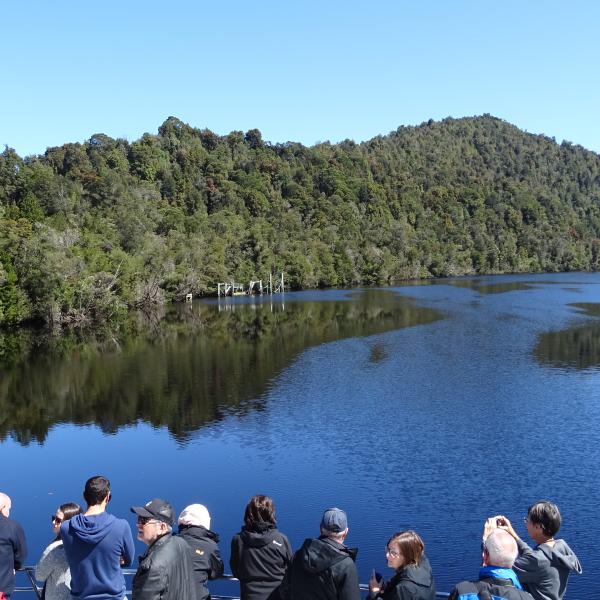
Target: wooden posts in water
{"x":280,"y":286}
{"x":254,"y":287}
{"x":257,"y":287}
{"x":230,"y":289}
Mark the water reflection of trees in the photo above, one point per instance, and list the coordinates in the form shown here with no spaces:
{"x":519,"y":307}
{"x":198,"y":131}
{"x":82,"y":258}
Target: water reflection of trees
{"x":577,"y":347}
{"x":191,"y":367}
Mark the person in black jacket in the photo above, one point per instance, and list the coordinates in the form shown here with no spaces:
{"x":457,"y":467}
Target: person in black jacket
{"x":324,"y":569}
{"x":165,"y":571}
{"x":194,"y":528}
{"x":260,"y":554}
{"x":412,"y":579}
{"x":13,"y":548}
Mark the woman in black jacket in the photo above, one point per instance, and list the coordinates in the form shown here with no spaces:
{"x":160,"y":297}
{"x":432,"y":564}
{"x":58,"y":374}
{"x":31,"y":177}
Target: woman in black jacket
{"x":412,"y":579}
{"x":260,"y":554}
{"x":194,"y":528}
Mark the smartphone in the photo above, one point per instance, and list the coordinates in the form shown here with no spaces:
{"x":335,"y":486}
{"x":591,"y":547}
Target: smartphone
{"x":377,"y":576}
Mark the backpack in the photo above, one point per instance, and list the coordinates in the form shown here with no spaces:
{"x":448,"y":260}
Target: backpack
{"x":482,"y":589}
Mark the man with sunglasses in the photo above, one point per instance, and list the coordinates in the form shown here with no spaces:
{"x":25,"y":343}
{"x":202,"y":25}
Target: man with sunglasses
{"x":97,"y":545}
{"x":165,"y":571}
{"x":13,"y":549}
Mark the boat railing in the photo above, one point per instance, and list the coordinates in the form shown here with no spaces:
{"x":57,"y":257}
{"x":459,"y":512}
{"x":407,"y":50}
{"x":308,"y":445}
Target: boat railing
{"x":33,"y":587}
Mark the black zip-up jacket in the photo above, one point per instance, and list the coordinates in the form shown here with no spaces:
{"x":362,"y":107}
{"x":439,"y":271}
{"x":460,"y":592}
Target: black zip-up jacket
{"x":488,"y":588}
{"x":205,"y":555}
{"x":259,"y":559}
{"x":13,"y":552}
{"x":410,"y":583}
{"x":323,"y":569}
{"x":165,"y":571}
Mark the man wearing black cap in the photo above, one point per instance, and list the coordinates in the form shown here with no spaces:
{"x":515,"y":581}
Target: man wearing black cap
{"x":165,"y":571}
{"x":324,"y":569}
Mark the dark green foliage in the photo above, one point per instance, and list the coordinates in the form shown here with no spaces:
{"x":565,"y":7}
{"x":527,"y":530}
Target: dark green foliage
{"x":87,"y":230}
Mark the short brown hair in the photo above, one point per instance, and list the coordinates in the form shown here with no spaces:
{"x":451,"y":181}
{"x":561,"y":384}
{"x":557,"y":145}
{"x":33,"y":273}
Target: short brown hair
{"x":260,"y":509}
{"x":411,"y":545}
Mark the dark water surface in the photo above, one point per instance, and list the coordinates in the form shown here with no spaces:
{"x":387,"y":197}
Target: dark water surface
{"x":427,"y":406}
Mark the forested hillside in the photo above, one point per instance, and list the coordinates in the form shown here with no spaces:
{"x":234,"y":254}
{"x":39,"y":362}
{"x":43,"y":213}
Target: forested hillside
{"x":88,"y":231}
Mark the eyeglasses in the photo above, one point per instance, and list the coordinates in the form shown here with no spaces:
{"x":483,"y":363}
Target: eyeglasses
{"x":56,"y":519}
{"x":145,"y":520}
{"x":392,"y":553}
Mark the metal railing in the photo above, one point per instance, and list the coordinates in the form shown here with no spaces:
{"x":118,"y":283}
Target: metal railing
{"x":33,"y":586}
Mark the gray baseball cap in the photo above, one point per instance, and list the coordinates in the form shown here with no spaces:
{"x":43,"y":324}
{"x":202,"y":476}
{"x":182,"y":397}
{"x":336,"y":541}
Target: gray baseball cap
{"x":334,"y":520}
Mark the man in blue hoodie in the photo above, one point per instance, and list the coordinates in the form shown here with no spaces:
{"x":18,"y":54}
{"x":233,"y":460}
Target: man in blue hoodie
{"x":97,"y":545}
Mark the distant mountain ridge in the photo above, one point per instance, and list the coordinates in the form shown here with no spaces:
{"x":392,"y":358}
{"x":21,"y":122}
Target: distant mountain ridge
{"x":88,"y":231}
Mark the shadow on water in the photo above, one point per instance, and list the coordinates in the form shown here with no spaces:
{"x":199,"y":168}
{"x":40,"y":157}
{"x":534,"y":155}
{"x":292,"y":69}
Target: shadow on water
{"x":575,"y":348}
{"x":491,"y":288}
{"x":186,"y":368}
{"x":494,"y":286}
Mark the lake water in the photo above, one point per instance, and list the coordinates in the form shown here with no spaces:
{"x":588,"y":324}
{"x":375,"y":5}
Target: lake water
{"x":427,"y":406}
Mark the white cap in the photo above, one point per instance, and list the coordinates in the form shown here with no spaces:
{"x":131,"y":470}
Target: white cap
{"x":196,"y":515}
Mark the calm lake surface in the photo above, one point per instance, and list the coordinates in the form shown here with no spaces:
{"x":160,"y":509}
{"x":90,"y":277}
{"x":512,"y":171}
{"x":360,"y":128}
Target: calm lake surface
{"x":427,"y":406}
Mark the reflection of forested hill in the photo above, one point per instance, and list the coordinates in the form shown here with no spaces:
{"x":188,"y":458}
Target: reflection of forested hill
{"x":578,"y":347}
{"x":87,"y":230}
{"x":188,"y":370}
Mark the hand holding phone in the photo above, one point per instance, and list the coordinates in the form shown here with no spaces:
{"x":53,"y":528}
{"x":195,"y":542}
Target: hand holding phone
{"x":375,"y":582}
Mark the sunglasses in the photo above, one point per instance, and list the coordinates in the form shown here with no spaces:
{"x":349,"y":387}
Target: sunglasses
{"x":145,"y":520}
{"x":55,"y":519}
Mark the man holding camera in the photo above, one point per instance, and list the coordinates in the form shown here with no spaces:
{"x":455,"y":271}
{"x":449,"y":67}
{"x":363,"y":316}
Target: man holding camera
{"x":496,"y":577}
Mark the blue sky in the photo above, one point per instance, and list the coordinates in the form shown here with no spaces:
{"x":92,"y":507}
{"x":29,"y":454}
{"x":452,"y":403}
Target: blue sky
{"x":304,"y":71}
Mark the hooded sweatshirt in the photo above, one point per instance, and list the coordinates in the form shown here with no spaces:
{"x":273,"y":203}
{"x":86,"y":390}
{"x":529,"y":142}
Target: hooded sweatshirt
{"x":206,"y":559}
{"x":324,"y":569}
{"x":259,"y":559}
{"x":414,"y":582}
{"x":95,"y":545}
{"x":544,"y":571}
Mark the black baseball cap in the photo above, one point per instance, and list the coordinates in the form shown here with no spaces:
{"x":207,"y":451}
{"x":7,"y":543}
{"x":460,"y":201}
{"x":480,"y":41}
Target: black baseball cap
{"x":158,"y":509}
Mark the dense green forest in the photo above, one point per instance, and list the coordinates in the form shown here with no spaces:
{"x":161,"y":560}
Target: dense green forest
{"x":89,"y":231}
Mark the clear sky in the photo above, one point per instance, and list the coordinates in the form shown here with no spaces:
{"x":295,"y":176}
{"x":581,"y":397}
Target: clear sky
{"x":300,"y":70}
